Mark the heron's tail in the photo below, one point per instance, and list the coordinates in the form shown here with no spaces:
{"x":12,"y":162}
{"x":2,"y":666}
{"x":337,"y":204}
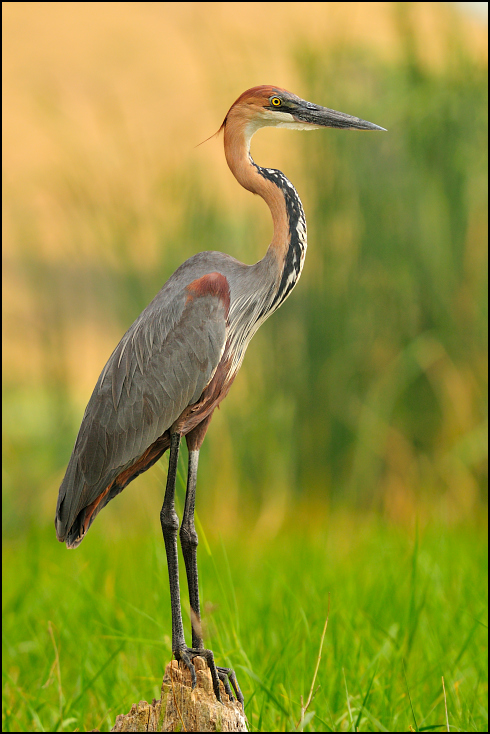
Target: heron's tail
{"x":68,"y":520}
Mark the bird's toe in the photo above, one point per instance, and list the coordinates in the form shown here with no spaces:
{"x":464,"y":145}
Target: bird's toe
{"x":225,"y":675}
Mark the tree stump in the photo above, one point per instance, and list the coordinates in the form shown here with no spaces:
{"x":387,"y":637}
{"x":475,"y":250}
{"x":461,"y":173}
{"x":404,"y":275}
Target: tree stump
{"x":183,"y":709}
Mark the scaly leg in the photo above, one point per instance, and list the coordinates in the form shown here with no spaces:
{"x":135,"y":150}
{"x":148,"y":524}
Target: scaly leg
{"x":189,"y":542}
{"x":170,"y":525}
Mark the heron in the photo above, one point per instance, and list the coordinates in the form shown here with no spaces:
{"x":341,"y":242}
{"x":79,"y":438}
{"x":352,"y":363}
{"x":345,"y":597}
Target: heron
{"x":178,"y":360}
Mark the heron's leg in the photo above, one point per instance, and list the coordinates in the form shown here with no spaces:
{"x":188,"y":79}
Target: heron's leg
{"x":170,"y":525}
{"x":189,"y":541}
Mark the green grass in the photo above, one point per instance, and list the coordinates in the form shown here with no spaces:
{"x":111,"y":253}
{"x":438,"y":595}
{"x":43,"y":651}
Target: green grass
{"x":86,"y":633}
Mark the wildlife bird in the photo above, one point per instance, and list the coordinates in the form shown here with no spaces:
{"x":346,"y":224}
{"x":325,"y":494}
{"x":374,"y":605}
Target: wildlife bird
{"x":176,"y":363}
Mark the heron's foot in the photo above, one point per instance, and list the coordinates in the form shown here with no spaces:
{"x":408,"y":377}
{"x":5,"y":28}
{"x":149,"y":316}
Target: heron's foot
{"x":226,"y":675}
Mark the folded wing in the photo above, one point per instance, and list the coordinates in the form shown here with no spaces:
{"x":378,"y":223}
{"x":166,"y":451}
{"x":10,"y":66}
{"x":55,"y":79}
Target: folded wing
{"x":159,"y":368}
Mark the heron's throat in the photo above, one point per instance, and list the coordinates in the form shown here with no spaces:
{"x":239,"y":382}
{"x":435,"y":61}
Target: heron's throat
{"x":288,"y":246}
{"x":273,"y":278}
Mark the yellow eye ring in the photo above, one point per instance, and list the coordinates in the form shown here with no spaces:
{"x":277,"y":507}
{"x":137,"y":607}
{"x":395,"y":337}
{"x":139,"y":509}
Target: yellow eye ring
{"x":275,"y":102}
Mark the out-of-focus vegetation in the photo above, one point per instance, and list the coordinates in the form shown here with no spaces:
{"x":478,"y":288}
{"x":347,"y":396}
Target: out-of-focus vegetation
{"x":360,"y":403}
{"x":389,"y":349}
{"x":86,"y":634}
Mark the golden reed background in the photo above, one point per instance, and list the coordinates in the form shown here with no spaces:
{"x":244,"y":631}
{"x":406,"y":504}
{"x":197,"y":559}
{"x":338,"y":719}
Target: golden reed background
{"x":104,"y":104}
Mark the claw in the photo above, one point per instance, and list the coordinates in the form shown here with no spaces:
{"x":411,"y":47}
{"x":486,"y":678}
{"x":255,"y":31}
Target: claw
{"x":229,"y":673}
{"x":224,"y":679}
{"x":226,"y":675}
{"x":209,"y":658}
{"x":186,"y":658}
{"x":187,"y":653}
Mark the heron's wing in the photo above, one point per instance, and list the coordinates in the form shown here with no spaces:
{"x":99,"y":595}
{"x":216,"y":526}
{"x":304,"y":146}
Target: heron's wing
{"x":161,"y":365}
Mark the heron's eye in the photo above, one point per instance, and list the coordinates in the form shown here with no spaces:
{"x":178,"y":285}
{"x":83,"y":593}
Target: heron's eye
{"x":275,"y":102}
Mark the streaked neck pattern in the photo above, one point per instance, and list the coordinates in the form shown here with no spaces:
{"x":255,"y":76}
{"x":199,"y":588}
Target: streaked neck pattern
{"x":250,"y":310}
{"x":295,"y":256}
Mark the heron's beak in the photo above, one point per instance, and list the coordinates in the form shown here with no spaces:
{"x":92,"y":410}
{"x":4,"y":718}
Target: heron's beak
{"x":324,"y":117}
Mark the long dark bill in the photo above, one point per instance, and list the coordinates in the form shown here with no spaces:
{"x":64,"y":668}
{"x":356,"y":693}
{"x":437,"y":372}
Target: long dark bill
{"x":324,"y":117}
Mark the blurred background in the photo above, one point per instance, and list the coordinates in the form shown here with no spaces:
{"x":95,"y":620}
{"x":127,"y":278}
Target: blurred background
{"x":350,"y":457}
{"x":367,"y":390}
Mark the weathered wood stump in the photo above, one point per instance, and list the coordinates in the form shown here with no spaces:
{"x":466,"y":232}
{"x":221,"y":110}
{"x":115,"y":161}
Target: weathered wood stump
{"x":183,"y":709}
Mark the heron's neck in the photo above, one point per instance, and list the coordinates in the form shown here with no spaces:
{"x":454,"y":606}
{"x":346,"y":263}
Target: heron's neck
{"x":291,"y":252}
{"x":285,"y":255}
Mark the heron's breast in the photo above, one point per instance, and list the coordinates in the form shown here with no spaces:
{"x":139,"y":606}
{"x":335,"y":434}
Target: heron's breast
{"x":211,"y":397}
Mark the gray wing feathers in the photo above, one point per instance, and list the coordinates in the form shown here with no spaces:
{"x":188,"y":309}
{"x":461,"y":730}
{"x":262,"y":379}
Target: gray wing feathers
{"x":161,"y":365}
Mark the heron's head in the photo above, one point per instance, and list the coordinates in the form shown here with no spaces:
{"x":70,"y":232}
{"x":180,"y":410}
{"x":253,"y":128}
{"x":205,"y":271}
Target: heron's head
{"x":268,"y":106}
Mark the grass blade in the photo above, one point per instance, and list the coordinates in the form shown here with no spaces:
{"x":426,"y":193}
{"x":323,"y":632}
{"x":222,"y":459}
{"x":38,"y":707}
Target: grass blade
{"x":351,"y":720}
{"x":365,"y":699}
{"x":90,"y":683}
{"x":445,"y":704}
{"x":409,"y":697}
{"x":311,"y":694}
